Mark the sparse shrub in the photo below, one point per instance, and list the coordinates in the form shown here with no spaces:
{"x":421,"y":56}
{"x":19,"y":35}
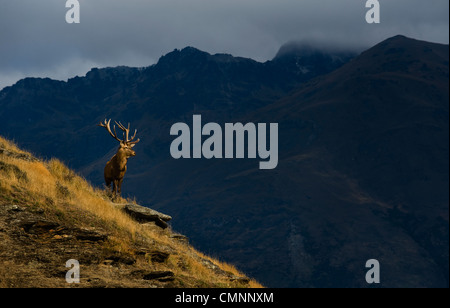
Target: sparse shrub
{"x":12,"y":169}
{"x":62,"y":190}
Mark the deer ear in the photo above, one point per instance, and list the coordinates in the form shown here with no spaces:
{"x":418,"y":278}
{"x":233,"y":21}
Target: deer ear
{"x":132,"y":145}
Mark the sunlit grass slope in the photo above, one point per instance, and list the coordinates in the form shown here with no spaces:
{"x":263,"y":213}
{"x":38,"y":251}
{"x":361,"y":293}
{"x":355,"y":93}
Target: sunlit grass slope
{"x":63,"y":197}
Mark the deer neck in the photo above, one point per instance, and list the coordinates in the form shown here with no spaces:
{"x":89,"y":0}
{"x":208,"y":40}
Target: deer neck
{"x":121,"y":159}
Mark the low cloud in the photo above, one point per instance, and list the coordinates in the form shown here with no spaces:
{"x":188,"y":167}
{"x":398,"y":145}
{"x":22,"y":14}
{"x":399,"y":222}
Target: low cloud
{"x":35,"y":40}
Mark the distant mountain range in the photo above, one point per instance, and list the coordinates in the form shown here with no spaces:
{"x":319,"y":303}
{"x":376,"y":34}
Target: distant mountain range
{"x":363,"y":170}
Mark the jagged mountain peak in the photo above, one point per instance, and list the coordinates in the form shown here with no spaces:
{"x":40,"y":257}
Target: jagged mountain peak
{"x":184,"y":54}
{"x":191,"y":54}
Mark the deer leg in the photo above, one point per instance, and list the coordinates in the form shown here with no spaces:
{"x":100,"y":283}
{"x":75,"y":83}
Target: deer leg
{"x":120,"y":186}
{"x":115,"y":184}
{"x":108,"y":184}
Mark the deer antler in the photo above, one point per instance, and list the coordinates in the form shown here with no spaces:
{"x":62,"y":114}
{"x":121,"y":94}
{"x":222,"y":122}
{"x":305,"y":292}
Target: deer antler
{"x":126,"y":133}
{"x":106,"y":125}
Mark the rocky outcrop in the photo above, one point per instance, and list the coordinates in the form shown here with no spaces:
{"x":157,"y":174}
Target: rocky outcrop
{"x":158,"y":256}
{"x":33,"y":239}
{"x":143,"y":214}
{"x":162,"y":276}
{"x":41,"y":228}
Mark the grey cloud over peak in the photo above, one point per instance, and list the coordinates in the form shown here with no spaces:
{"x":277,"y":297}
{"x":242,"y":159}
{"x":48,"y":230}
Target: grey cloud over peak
{"x":36,"y":41}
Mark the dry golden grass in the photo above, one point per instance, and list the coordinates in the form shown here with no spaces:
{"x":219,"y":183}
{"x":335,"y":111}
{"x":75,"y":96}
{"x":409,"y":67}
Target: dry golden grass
{"x":71,"y":200}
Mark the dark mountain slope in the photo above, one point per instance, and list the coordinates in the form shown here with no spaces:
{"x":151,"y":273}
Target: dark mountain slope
{"x":363,"y":174}
{"x":386,"y":124}
{"x":383,"y":122}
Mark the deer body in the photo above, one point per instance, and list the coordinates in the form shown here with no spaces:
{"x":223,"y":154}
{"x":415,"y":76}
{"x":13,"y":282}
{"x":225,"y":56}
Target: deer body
{"x":116,"y":168}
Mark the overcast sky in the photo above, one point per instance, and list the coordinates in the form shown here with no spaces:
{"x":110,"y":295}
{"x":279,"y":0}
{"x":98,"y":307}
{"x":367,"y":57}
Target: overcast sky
{"x":35,"y":39}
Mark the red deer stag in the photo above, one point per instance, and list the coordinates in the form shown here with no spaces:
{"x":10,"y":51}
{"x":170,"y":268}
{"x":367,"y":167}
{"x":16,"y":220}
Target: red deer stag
{"x":115,"y":169}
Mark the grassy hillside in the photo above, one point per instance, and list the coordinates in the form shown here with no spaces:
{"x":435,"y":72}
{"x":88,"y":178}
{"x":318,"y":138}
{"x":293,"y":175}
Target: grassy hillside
{"x":49,"y":215}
